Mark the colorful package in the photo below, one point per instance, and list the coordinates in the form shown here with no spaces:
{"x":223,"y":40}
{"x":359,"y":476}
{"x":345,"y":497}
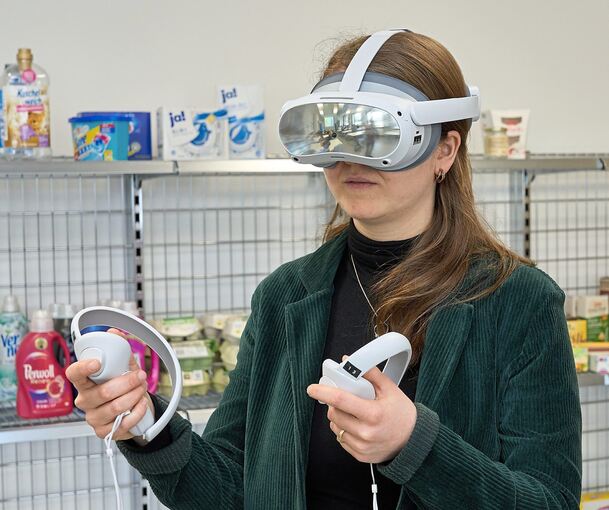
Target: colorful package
{"x":594,"y":501}
{"x":581,"y":359}
{"x":245,"y":107}
{"x":100,"y":137}
{"x":598,"y":329}
{"x":592,"y":306}
{"x":599,"y":362}
{"x":578,"y":330}
{"x":187,"y":134}
{"x":140,"y":138}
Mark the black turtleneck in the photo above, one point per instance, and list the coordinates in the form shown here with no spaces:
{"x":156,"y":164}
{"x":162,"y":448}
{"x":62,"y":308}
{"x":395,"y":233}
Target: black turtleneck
{"x":335,"y":480}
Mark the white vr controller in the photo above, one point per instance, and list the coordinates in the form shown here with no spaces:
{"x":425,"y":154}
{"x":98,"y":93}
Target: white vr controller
{"x":348,"y":375}
{"x":113,"y":352}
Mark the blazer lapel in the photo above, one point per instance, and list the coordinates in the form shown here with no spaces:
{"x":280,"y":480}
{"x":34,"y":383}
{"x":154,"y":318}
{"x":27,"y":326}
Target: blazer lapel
{"x":446,"y":336}
{"x":306,"y":326}
{"x":306,"y":323}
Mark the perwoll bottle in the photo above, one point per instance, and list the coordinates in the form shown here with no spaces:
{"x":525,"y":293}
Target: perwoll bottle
{"x":27,"y":130}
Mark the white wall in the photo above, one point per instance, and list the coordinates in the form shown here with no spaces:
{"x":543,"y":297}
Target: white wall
{"x":133,"y":54}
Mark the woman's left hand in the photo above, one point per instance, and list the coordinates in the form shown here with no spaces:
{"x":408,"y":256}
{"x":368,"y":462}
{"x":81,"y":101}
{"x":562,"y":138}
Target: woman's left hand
{"x":374,"y":430}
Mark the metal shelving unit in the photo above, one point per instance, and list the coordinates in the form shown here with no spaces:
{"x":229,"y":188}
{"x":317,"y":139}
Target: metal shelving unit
{"x":189,"y":237}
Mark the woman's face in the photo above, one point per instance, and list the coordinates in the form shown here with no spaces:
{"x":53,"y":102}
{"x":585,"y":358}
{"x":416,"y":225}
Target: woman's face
{"x":383,"y":202}
{"x":391,"y":205}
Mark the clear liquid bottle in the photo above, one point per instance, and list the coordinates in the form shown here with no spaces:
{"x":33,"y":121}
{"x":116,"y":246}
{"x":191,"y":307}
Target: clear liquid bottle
{"x":26,"y":113}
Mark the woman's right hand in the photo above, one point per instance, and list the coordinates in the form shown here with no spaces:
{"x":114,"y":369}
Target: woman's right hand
{"x":102,"y":403}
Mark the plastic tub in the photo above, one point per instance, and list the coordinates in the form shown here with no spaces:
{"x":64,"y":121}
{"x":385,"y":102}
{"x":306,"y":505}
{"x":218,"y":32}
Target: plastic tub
{"x":100,"y":137}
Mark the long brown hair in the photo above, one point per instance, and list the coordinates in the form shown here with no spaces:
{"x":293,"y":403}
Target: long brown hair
{"x":434,"y":272}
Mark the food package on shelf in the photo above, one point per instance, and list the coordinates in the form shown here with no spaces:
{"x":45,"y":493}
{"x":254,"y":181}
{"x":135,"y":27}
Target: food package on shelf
{"x":228,"y":354}
{"x":178,"y":328}
{"x":235,"y":324}
{"x":213,"y":324}
{"x":594,"y":501}
{"x":581,"y":358}
{"x":196,"y":359}
{"x":578,"y":330}
{"x":219,"y":380}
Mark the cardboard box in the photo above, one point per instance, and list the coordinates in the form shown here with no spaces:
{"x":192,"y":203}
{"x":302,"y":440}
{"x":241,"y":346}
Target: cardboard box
{"x":597,"y":329}
{"x":581,"y":358}
{"x":594,"y":501}
{"x":592,"y":306}
{"x":578,"y":330}
{"x":186,"y":134}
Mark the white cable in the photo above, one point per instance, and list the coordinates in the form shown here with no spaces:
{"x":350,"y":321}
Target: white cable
{"x":375,"y":489}
{"x":110,"y":455}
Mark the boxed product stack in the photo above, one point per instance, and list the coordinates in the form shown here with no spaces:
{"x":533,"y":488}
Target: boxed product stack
{"x":588,"y":324}
{"x":226,"y":330}
{"x":194,"y":353}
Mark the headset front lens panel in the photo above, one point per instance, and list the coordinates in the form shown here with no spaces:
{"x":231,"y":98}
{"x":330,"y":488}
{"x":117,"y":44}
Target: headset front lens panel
{"x":318,"y":128}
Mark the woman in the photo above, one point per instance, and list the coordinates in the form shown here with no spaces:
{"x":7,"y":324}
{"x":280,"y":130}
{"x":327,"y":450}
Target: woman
{"x":487,"y":415}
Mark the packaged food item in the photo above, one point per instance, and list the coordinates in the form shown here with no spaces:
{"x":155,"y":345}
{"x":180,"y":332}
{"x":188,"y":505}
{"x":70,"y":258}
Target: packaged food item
{"x":515,"y":123}
{"x":178,"y":328}
{"x":599,"y":362}
{"x":140,"y":138}
{"x":570,"y":307}
{"x":578,"y":330}
{"x":43,"y":390}
{"x":496,"y":142}
{"x":13,"y":327}
{"x":213,"y":324}
{"x":100,"y":137}
{"x":597,"y":329}
{"x":219,"y":380}
{"x":233,"y":328}
{"x":604,"y":286}
{"x":245,"y":106}
{"x":25,"y":92}
{"x":594,"y":501}
{"x":187,"y":134}
{"x":581,"y":359}
{"x":228,"y":355}
{"x":592,"y":306}
{"x":195,"y":359}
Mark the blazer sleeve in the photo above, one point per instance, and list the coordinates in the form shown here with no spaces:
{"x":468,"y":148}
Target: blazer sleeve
{"x":539,"y":431}
{"x":203,"y":472}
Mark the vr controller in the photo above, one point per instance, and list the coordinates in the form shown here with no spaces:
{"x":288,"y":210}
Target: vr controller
{"x":113,"y":353}
{"x":348,"y":375}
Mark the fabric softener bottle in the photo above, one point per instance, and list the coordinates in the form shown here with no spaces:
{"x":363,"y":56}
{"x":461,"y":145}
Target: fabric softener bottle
{"x":43,"y":390}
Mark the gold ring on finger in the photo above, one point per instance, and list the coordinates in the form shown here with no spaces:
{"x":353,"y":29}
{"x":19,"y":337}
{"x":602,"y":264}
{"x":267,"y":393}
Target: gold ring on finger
{"x":339,"y":437}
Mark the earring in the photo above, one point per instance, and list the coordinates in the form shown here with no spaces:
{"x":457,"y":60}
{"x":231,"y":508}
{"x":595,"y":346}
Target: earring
{"x":440,"y":176}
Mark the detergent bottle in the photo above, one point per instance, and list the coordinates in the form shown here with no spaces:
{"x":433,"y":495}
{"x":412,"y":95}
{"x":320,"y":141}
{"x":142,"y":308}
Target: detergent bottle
{"x":13,"y":327}
{"x":43,"y":390}
{"x":140,"y":350}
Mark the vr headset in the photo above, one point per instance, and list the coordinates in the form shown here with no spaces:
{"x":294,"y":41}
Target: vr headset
{"x":368,"y":118}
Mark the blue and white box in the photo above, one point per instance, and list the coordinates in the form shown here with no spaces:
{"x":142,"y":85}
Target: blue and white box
{"x":187,"y":134}
{"x":245,"y":107}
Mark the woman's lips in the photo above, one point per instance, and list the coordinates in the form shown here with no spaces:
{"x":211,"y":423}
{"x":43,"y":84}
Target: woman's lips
{"x":359,"y":183}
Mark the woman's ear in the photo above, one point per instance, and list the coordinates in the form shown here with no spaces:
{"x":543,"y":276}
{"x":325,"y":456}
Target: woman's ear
{"x":446,"y":152}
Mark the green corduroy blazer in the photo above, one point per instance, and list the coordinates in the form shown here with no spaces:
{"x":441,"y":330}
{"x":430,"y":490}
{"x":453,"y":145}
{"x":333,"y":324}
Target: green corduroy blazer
{"x":499,"y":420}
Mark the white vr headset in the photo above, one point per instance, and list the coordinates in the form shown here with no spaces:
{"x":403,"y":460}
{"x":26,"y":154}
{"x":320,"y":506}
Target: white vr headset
{"x":368,"y":118}
{"x":348,"y":375}
{"x":113,"y":352}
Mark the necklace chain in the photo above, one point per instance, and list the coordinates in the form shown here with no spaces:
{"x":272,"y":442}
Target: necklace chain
{"x":366,"y":296}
